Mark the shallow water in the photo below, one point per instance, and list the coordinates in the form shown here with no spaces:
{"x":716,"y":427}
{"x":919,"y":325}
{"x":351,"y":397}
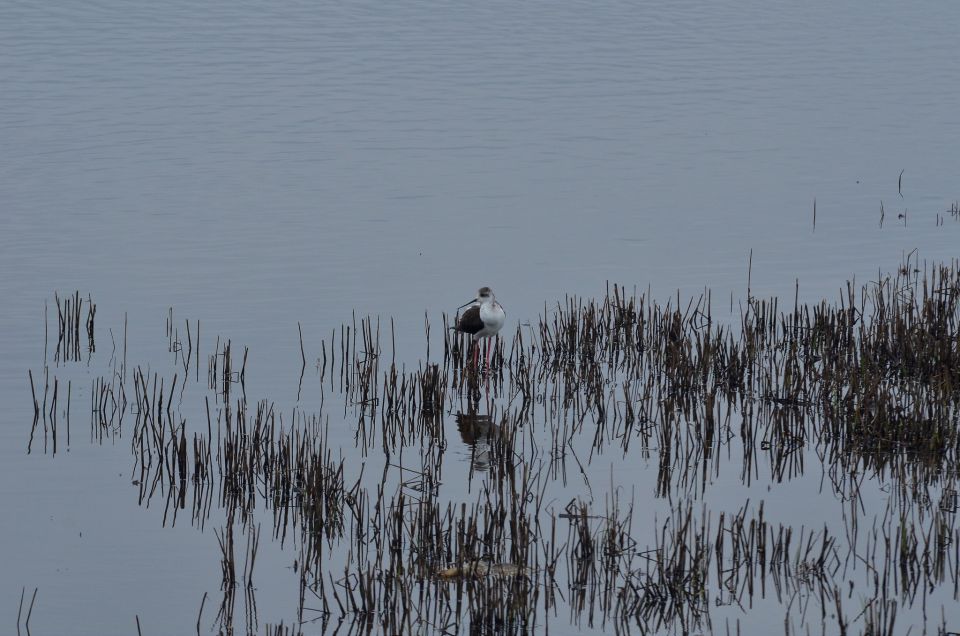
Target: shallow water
{"x":258,"y":165}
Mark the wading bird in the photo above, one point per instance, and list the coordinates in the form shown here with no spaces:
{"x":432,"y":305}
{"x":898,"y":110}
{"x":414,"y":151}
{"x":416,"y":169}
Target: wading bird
{"x":483,"y":319}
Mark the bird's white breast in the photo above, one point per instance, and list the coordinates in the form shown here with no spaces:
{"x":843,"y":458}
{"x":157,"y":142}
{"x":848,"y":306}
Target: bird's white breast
{"x":492,"y":316}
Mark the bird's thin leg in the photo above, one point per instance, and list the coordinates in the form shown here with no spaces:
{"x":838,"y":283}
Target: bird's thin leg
{"x":476,"y":352}
{"x":489,"y":347}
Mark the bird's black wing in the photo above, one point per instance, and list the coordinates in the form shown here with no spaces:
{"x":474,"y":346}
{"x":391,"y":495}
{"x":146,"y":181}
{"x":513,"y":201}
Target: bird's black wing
{"x":470,"y":321}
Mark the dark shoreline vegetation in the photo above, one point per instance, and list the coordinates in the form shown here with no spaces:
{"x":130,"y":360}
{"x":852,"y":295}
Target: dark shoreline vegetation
{"x":864,"y":389}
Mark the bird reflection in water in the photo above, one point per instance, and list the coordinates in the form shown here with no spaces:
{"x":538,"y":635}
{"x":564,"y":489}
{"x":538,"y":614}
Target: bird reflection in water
{"x":479,"y":433}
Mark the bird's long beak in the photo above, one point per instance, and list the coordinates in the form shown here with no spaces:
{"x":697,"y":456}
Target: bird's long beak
{"x":469,"y":302}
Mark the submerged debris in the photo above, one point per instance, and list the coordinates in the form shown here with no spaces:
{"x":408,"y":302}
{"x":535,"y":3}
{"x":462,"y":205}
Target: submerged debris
{"x":481,"y":569}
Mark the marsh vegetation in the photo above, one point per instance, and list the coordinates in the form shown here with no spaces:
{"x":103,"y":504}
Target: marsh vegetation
{"x":572,"y":484}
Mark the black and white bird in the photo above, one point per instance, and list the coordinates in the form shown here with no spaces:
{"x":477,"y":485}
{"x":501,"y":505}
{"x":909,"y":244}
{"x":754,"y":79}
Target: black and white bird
{"x":483,"y":319}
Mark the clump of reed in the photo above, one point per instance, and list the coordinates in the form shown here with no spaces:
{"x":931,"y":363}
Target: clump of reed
{"x":69,"y":316}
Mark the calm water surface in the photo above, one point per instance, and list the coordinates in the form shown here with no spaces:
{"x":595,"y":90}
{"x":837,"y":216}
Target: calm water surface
{"x":255,"y":165}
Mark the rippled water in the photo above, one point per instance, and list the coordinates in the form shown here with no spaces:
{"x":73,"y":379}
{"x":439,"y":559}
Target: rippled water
{"x":255,"y":165}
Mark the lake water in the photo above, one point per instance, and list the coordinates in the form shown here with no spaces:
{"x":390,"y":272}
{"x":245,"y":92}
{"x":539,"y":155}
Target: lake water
{"x":258,"y":165}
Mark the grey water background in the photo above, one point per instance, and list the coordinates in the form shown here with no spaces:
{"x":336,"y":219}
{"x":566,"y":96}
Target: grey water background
{"x":255,"y":165}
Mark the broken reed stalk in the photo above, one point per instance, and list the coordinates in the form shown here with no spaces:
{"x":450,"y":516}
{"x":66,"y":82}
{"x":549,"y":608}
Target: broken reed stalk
{"x":200,"y":612}
{"x":33,"y":599}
